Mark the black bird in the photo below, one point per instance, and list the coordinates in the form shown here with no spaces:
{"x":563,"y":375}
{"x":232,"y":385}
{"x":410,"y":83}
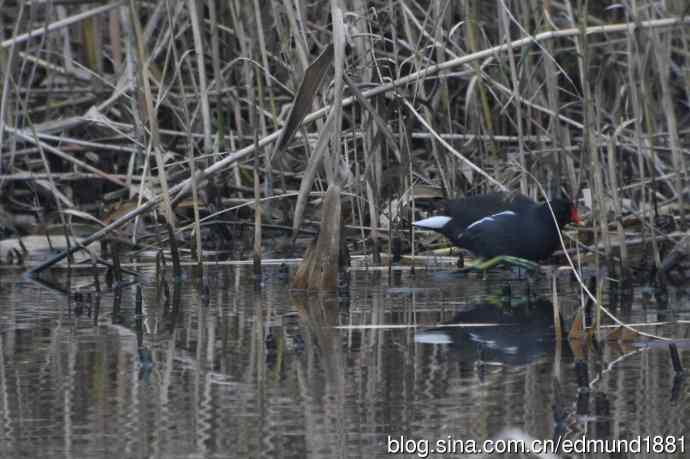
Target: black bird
{"x":504,"y":226}
{"x":465,"y":211}
{"x":458,"y":214}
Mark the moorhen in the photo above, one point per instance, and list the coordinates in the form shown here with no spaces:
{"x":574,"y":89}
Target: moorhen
{"x":504,"y":226}
{"x":465,"y":211}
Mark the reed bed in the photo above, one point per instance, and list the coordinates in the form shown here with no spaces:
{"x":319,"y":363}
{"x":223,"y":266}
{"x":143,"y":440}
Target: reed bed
{"x":221,"y":125}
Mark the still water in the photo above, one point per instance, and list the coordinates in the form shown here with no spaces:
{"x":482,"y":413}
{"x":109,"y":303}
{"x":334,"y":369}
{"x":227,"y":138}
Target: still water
{"x":236,"y":371}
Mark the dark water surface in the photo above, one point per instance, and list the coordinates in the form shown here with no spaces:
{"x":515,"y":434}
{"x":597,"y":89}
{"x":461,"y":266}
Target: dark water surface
{"x":240,"y":372}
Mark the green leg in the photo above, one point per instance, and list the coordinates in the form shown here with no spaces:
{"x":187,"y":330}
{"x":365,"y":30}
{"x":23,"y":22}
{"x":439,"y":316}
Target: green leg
{"x":485,"y":265}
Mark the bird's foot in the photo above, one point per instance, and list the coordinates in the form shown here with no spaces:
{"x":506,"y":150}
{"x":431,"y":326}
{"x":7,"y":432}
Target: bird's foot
{"x":485,"y":265}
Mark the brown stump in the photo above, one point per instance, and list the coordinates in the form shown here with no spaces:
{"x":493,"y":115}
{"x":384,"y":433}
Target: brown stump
{"x":319,"y":268}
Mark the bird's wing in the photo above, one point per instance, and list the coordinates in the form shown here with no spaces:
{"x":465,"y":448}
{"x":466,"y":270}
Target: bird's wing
{"x":498,"y":234}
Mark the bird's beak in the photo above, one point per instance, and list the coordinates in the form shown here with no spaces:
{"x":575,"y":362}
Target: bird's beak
{"x":575,"y":217}
{"x":433,"y":223}
{"x":433,"y":337}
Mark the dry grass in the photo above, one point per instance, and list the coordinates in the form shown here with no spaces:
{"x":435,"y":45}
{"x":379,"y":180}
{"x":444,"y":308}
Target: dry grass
{"x":168,"y":98}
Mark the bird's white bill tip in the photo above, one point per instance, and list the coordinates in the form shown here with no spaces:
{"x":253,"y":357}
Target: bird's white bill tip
{"x":433,"y":337}
{"x":434,"y":223}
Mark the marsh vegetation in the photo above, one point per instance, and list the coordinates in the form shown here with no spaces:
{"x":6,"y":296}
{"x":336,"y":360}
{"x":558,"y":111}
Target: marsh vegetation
{"x":138,"y":137}
{"x":207,"y":117}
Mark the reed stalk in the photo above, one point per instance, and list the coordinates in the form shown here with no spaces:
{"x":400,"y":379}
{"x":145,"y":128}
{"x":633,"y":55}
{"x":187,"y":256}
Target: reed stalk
{"x":143,"y":79}
{"x":467,"y":77}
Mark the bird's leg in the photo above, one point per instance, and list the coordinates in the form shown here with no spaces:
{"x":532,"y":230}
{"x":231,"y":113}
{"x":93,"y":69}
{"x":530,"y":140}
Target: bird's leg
{"x":461,"y":260}
{"x":530,"y":266}
{"x":485,"y":265}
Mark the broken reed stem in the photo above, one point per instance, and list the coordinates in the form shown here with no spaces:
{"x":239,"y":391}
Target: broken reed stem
{"x":322,"y":261}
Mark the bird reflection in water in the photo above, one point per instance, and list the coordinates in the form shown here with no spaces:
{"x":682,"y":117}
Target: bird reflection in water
{"x":512,"y":334}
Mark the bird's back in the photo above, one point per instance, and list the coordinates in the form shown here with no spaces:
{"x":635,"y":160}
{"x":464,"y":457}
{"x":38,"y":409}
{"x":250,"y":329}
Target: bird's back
{"x":468,"y":210}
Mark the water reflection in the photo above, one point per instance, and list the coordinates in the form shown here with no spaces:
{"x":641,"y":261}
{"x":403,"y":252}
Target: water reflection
{"x":176,"y":370}
{"x":514,"y":334}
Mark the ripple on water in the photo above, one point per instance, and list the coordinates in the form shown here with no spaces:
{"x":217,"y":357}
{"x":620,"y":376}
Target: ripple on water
{"x":193,"y":380}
